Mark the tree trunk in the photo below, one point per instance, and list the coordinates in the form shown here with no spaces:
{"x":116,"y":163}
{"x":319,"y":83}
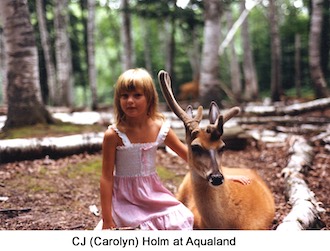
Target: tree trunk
{"x":3,"y":70}
{"x":209,"y":88}
{"x":325,"y":38}
{"x":91,"y":52}
{"x":235,"y":72}
{"x":126,"y":36}
{"x":146,"y":42}
{"x":25,"y":105}
{"x":63,"y":55}
{"x":45,"y":42}
{"x":249,"y":69}
{"x":276,"y":58}
{"x":297,"y":64}
{"x":317,"y":77}
{"x":170,"y":45}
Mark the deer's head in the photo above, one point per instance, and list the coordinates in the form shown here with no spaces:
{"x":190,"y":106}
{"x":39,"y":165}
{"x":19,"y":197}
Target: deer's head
{"x":205,"y":145}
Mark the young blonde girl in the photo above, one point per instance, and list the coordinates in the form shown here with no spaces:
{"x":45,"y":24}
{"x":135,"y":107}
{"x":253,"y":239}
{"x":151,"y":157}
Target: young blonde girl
{"x":132,"y":194}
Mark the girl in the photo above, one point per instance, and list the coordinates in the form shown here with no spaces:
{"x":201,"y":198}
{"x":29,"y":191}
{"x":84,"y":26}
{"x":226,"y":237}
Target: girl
{"x":132,"y":194}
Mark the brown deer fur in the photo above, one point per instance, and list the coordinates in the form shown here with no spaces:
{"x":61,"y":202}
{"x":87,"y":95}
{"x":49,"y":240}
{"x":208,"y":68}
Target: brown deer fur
{"x":216,"y":202}
{"x":189,"y":90}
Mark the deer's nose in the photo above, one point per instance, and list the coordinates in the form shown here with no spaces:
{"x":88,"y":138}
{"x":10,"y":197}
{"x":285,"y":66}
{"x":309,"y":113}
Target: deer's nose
{"x":216,"y":179}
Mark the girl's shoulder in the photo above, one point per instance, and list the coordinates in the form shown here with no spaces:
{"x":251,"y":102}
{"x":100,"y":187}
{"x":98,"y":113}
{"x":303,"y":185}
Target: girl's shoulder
{"x":111,"y":133}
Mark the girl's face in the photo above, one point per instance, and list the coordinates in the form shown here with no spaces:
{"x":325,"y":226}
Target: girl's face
{"x":133,"y":103}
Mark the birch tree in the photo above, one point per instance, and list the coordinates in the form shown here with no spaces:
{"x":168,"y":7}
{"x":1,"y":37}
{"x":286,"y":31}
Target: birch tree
{"x":3,"y":79}
{"x":45,"y":43}
{"x":91,"y":52}
{"x":317,"y":77}
{"x":249,"y":69}
{"x":25,"y":105}
{"x":235,"y":72}
{"x":63,"y":55}
{"x":209,"y":87}
{"x":126,"y":36}
{"x":276,"y":58}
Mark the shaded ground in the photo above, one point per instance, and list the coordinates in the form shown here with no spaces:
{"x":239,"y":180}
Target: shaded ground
{"x":56,"y":194}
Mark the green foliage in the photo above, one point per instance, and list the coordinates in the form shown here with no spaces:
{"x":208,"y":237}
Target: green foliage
{"x":148,"y":29}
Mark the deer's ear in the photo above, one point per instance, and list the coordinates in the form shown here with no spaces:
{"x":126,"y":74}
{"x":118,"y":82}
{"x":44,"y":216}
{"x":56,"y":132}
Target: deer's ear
{"x":219,"y":124}
{"x":189,"y":111}
{"x":214,"y":112}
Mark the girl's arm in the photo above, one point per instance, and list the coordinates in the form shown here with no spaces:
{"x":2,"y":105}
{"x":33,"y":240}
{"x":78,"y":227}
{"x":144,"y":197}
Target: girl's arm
{"x":106,"y":181}
{"x":173,"y":142}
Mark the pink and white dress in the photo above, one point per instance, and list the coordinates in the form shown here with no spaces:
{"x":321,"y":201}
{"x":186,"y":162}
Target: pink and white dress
{"x":139,"y":198}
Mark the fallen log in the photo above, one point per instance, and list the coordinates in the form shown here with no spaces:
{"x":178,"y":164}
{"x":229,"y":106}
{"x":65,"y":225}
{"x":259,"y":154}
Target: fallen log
{"x":283,"y":120}
{"x":305,"y":209}
{"x":295,"y":109}
{"x":54,"y":147}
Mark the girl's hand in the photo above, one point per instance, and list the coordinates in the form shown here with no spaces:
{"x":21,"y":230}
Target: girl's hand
{"x":240,"y":179}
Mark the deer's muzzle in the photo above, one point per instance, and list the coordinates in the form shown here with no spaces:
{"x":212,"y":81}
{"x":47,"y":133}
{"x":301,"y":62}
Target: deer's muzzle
{"x":216,"y":179}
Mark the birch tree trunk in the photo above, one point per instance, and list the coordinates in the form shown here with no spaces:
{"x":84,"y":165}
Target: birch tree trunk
{"x":63,"y":55}
{"x":194,"y":53}
{"x":325,"y":38}
{"x":91,"y":52}
{"x":297,"y":64}
{"x":249,"y":69}
{"x":45,"y":42}
{"x":209,"y":87}
{"x":146,"y":42}
{"x":3,"y":78}
{"x":317,"y":77}
{"x":169,"y":45}
{"x":276,"y":58}
{"x":25,"y":105}
{"x":235,"y":73}
{"x":126,"y":36}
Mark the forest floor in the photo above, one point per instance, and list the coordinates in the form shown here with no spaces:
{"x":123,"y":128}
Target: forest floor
{"x":48,"y":194}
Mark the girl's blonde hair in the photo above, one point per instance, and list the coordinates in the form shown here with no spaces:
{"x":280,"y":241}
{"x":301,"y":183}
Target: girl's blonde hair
{"x":131,"y":80}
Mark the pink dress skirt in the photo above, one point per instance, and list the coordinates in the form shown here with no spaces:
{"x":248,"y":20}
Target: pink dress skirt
{"x":139,"y":198}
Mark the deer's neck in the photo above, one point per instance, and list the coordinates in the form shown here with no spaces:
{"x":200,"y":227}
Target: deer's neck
{"x":209,"y":200}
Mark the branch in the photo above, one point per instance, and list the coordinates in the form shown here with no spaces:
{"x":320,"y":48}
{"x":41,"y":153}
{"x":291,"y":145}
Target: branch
{"x":235,"y":27}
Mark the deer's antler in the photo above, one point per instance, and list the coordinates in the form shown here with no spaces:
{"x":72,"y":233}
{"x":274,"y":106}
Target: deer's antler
{"x":231,"y":113}
{"x":189,"y":122}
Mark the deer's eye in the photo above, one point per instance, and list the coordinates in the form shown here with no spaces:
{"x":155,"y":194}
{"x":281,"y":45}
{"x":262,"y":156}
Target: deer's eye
{"x":197,"y":149}
{"x":222,"y":149}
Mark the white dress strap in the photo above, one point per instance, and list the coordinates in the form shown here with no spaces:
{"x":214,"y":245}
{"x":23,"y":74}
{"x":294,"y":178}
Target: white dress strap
{"x":163,"y":132}
{"x":121,"y":135}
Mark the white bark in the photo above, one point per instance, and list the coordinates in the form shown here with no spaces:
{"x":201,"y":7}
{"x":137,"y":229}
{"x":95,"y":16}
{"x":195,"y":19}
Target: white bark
{"x":305,"y":208}
{"x":54,"y":147}
{"x":45,"y":42}
{"x":91,"y":53}
{"x":295,"y":109}
{"x":63,"y":54}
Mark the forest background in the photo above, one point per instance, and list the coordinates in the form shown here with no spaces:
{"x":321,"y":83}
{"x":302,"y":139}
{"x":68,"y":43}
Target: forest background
{"x":280,"y":49}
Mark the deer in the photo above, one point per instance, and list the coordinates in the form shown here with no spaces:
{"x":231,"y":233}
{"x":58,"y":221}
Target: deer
{"x":217,"y":203}
{"x":189,"y":90}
